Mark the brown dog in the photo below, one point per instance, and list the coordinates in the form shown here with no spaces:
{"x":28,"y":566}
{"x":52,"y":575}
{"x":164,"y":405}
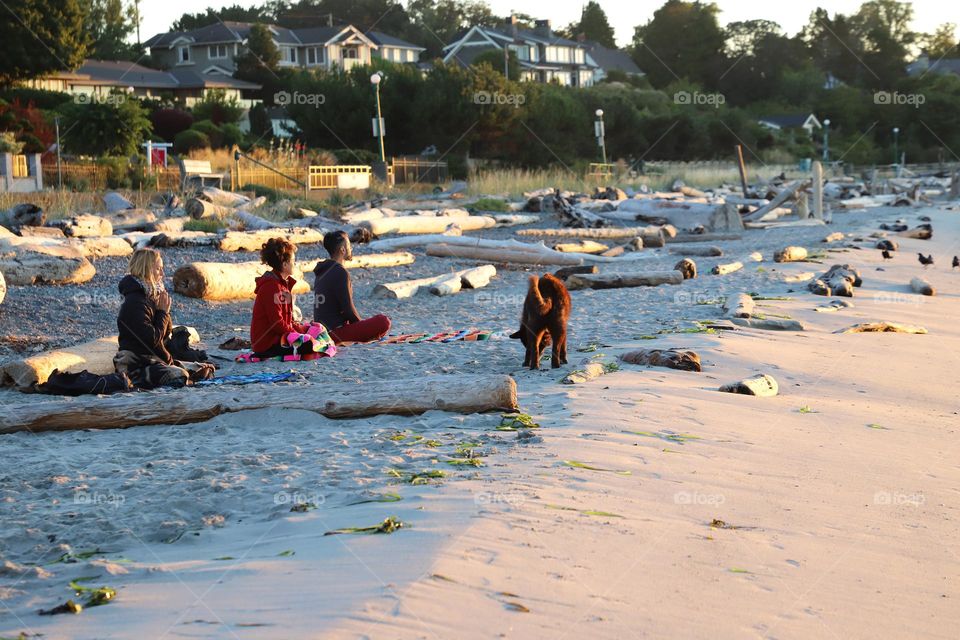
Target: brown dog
{"x":545,"y":313}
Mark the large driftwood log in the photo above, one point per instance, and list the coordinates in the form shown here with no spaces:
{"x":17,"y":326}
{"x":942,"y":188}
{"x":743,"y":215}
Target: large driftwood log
{"x":687,"y":267}
{"x":23,"y":215}
{"x":84,"y":225}
{"x":769,"y":324}
{"x":219,"y":281}
{"x":599,"y":234}
{"x":370,"y":261}
{"x":460,"y":393}
{"x":95,"y":357}
{"x":785,"y":194}
{"x":26,"y":261}
{"x":839,"y":280}
{"x":703,"y":237}
{"x":920,"y":232}
{"x":584,"y":246}
{"x":106,"y":247}
{"x":724,"y":269}
{"x":681,"y":359}
{"x":133,"y":220}
{"x":565,"y":272}
{"x":790,"y":254}
{"x":882,"y":327}
{"x":739,"y":306}
{"x":621,"y":280}
{"x":426,"y":224}
{"x":921,"y":286}
{"x":224,"y":198}
{"x":515,"y":255}
{"x":253,"y":240}
{"x":203,"y":209}
{"x":408,"y":242}
{"x":469,"y":278}
{"x":142,"y":239}
{"x":706,"y":251}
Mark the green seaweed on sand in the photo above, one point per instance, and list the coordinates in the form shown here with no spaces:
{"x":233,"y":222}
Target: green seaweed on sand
{"x":757,"y":297}
{"x":514,"y":421}
{"x":380,"y":497}
{"x":679,"y":438}
{"x":738,"y":570}
{"x":422,"y":477}
{"x":516,"y":606}
{"x":303,"y":507}
{"x":807,"y":409}
{"x":611,"y":367}
{"x":389,"y":525}
{"x":877,"y":426}
{"x":222,"y":558}
{"x":71,"y":557}
{"x":586,"y":512}
{"x":464,"y":462}
{"x":582,"y":465}
{"x":716,"y":523}
{"x":79,"y":588}
{"x":67,"y":607}
{"x":286,"y":553}
{"x":590,"y":347}
{"x":645,"y":337}
{"x":101,"y":596}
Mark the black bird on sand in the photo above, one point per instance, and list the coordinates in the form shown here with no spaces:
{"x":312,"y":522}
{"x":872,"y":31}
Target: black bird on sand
{"x":886,"y":255}
{"x":956,"y":262}
{"x":926,"y":261}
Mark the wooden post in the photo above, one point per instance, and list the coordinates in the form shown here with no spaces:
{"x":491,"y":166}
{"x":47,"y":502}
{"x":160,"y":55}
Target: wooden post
{"x":235,"y":174}
{"x":743,"y":169}
{"x":818,"y":190}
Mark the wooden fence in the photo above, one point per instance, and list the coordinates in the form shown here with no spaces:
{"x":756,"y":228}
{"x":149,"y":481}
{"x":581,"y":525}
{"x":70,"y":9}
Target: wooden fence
{"x":414,"y":169}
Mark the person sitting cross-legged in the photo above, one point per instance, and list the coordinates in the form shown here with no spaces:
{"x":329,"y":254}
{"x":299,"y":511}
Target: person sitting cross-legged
{"x":333,"y":296}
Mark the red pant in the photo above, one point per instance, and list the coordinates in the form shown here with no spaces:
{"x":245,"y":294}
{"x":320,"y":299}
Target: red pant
{"x":368,"y":329}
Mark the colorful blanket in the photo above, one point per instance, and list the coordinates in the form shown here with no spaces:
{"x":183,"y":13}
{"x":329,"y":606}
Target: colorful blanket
{"x":314,"y":343}
{"x":246,"y":378}
{"x":465,"y":335}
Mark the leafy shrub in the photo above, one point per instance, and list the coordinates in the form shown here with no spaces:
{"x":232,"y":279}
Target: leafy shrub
{"x":167,"y":123}
{"x":217,"y":108}
{"x":189,"y":140}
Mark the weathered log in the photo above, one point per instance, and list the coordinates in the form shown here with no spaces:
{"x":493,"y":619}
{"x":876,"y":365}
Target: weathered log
{"x":707,"y":251}
{"x":114,"y":202}
{"x":882,"y":327}
{"x":511,"y":219}
{"x":447,"y":285}
{"x":724,"y":269}
{"x":584,"y":246}
{"x":687,"y":267}
{"x":221,"y":281}
{"x":614,"y":252}
{"x":586,"y":371}
{"x":505,"y":255}
{"x":761,"y":385}
{"x":23,"y":215}
{"x":681,"y":359}
{"x":41,"y":232}
{"x":224,"y":198}
{"x":789,"y":191}
{"x":921,"y":286}
{"x":409,"y":288}
{"x":817,"y":190}
{"x":27,"y":261}
{"x":790,"y":254}
{"x":252,"y":222}
{"x":370,"y":261}
{"x":95,"y":357}
{"x":769,"y":324}
{"x":84,"y":225}
{"x":839,"y":280}
{"x":596,"y":234}
{"x":202,"y":209}
{"x":3,"y":288}
{"x":254,"y":240}
{"x":426,"y":224}
{"x":703,"y":237}
{"x":470,"y":279}
{"x":133,"y":220}
{"x":833,"y":237}
{"x":565,"y":272}
{"x":160,"y":239}
{"x":622,"y":280}
{"x":920,"y":232}
{"x":460,"y":393}
{"x":739,"y":306}
{"x":106,"y":247}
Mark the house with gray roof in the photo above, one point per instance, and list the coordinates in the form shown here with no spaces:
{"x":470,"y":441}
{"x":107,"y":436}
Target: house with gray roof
{"x":543,"y":56}
{"x":923,"y":65}
{"x":607,"y":60}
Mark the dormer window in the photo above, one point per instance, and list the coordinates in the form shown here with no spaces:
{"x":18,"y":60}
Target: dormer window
{"x":217,"y":51}
{"x":183,"y":54}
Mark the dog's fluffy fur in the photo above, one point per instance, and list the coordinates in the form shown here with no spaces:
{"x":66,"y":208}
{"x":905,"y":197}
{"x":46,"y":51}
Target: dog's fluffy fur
{"x":545,"y":313}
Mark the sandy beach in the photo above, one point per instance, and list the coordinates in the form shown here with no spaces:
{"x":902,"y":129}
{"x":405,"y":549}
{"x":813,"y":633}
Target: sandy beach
{"x":646,"y":504}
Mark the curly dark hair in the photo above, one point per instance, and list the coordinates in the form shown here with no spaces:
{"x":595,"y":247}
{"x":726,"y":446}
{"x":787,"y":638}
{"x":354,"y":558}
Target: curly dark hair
{"x":276,"y":251}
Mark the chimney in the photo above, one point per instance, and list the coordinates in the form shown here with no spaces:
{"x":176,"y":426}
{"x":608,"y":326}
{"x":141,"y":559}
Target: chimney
{"x":543,"y":29}
{"x":511,"y":26}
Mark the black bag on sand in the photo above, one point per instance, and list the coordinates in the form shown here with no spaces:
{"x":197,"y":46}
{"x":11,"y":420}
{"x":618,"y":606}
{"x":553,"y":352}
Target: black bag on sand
{"x":178,"y":344}
{"x":83,"y":383}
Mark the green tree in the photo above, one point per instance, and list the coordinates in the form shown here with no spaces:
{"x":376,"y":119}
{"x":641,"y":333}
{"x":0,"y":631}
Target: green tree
{"x":40,"y":36}
{"x":942,"y":43}
{"x":109,"y":24}
{"x":235,"y":13}
{"x":682,"y":40}
{"x":260,"y":63}
{"x":383,"y":15}
{"x":494,"y":59}
{"x":884,"y":29}
{"x":115,"y":125}
{"x":595,"y":26}
{"x":435,"y":23}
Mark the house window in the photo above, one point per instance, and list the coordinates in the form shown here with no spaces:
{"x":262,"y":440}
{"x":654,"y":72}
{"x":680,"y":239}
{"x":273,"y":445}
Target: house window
{"x":578,"y":56}
{"x":183,"y":54}
{"x":217,"y":51}
{"x":288,"y":55}
{"x":351,"y":53}
{"x":314,"y":56}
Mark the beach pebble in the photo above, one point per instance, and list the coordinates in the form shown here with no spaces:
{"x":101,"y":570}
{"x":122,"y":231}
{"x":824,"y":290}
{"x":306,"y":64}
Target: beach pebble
{"x":762,"y":385}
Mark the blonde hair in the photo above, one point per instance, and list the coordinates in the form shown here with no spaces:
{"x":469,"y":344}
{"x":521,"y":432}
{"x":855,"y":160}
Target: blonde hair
{"x":143,"y":264}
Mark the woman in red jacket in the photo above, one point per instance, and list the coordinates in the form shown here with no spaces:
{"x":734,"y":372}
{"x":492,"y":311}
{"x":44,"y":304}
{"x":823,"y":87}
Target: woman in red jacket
{"x":273,"y":331}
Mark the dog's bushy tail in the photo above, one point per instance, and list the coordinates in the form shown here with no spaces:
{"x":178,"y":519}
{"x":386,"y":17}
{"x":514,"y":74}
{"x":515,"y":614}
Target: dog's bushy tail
{"x":543,"y":306}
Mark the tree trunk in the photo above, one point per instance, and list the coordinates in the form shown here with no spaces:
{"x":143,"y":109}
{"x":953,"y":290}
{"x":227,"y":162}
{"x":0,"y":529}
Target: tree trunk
{"x":224,"y":198}
{"x":202,"y":209}
{"x":133,"y":220}
{"x":460,"y":393}
{"x":106,"y":247}
{"x":621,"y":280}
{"x":670,"y":358}
{"x":785,"y":194}
{"x":739,"y":306}
{"x":221,"y":281}
{"x":503,"y":255}
{"x":790,"y":254}
{"x":426,"y":224}
{"x":85,"y":225}
{"x":253,"y":240}
{"x":584,"y":246}
{"x":26,"y":261}
{"x":596,"y":234}
{"x":697,"y":251}
{"x":469,"y":278}
{"x":370,"y":261}
{"x":142,"y":239}
{"x":95,"y":357}
{"x":724,"y":269}
{"x":921,"y":286}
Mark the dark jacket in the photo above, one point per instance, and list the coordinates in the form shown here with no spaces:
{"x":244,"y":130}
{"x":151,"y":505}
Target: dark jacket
{"x":272,"y":312}
{"x":142,"y":323}
{"x":333,"y":295}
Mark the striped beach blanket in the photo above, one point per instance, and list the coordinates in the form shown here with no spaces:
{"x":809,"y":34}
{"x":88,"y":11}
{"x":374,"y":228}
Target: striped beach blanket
{"x":464,"y":335}
{"x":314,"y":343}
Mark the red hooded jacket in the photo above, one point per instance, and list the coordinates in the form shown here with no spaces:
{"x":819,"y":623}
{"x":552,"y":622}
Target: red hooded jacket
{"x":272,"y":312}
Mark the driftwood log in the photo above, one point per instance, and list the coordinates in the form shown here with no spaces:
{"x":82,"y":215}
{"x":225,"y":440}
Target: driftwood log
{"x":724,"y":269}
{"x":921,"y":286}
{"x":26,"y":261}
{"x":160,"y":239}
{"x":790,"y":254}
{"x":370,"y":261}
{"x":565,"y":272}
{"x":769,"y":324}
{"x":84,"y":226}
{"x":622,"y":280}
{"x":426,"y":224}
{"x":606,"y":233}
{"x":412,"y":396}
{"x":439,"y":285}
{"x":761,"y":385}
{"x":883,"y":327}
{"x":23,"y":215}
{"x":133,"y":220}
{"x":739,"y":306}
{"x":95,"y":357}
{"x":839,"y":280}
{"x":785,"y":194}
{"x":518,"y":255}
{"x":220,"y":281}
{"x":584,"y":246}
{"x":708,"y":251}
{"x":687,"y":267}
{"x":3,"y":288}
{"x":253,"y":240}
{"x":681,"y":359}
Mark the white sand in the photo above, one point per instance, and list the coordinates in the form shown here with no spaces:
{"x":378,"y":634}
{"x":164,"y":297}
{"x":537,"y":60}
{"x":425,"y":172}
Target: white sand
{"x":842,"y":530}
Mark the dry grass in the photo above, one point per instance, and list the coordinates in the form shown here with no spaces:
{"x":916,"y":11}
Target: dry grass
{"x":63,"y":204}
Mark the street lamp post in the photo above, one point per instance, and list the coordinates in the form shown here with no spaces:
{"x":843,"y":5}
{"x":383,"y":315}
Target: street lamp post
{"x":826,"y":140}
{"x":896,"y":146}
{"x":378,"y":127}
{"x":598,"y":129}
